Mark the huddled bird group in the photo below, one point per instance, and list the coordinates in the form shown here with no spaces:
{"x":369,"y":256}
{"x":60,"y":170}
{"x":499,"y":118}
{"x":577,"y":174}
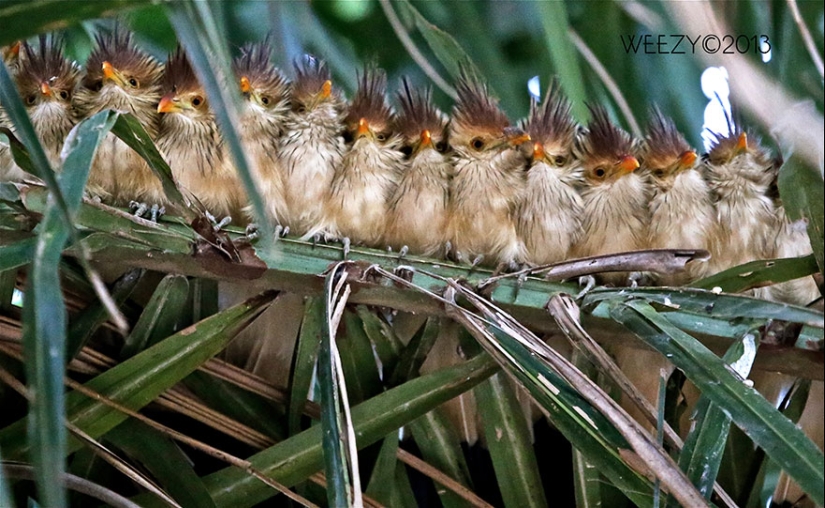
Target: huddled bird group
{"x":471,"y":185}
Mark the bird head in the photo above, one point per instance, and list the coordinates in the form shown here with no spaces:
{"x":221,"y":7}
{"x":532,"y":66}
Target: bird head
{"x":552,"y":129}
{"x":740,"y":154}
{"x":605,"y":150}
{"x":312,"y":86}
{"x":45,"y":78}
{"x":261,"y":83}
{"x":11,"y":55}
{"x":182,"y":93}
{"x":421,"y":125}
{"x":117,"y":63}
{"x":665,"y":153}
{"x":479,"y":129}
{"x":369,"y":116}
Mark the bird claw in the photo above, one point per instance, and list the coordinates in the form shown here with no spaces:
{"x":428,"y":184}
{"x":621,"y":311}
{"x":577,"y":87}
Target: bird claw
{"x":589,"y":282}
{"x":403,"y":252}
{"x":477,"y":261}
{"x":216,"y":224}
{"x":251,"y":231}
{"x":139,"y":209}
{"x":345,"y":242}
{"x":635,"y":279}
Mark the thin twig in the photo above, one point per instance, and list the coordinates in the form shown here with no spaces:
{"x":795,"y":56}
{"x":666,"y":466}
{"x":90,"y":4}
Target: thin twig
{"x":412,"y":49}
{"x":810,"y":45}
{"x":608,"y":81}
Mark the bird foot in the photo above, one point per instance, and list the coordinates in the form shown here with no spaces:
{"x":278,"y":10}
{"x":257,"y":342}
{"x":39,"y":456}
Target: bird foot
{"x":477,"y":261}
{"x":634,"y":279}
{"x":448,"y":249}
{"x":139,"y":210}
{"x":589,"y":282}
{"x":345,"y":242}
{"x":216,"y":224}
{"x":403,"y":252}
{"x":251,"y":231}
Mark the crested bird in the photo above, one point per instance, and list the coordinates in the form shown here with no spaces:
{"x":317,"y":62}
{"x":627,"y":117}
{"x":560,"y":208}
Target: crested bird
{"x":418,"y":207}
{"x":189,"y":140}
{"x":46,"y":82}
{"x":739,"y":173}
{"x":614,"y":196}
{"x":122,"y":77}
{"x":311,"y":147}
{"x":548,"y":217}
{"x":489,"y":178}
{"x":681,"y":212}
{"x":266,"y":103}
{"x":357,"y":204}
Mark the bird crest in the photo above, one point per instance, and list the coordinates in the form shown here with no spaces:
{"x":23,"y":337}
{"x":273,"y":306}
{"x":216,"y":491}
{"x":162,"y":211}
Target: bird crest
{"x":476,"y":108}
{"x":664,"y":144}
{"x":603,"y":139}
{"x":551,"y":122}
{"x":418,"y":113}
{"x":46,"y":64}
{"x":311,"y":78}
{"x":254,"y":63}
{"x":370,"y":101}
{"x":118,"y":48}
{"x":179,"y":76}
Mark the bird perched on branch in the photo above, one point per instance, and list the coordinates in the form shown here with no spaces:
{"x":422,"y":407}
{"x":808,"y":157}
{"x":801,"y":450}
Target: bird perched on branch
{"x":311,"y":146}
{"x":489,"y":178}
{"x":358,"y":201}
{"x":46,"y":82}
{"x":739,"y":173}
{"x":266,"y":104}
{"x":681,"y":213}
{"x":614,"y":196}
{"x":122,"y":77}
{"x":548,"y":217}
{"x":418,"y":208}
{"x":191,"y":143}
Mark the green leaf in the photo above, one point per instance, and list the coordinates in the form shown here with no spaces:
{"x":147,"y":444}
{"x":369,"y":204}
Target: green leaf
{"x":160,"y":317}
{"x":382,"y":486}
{"x":387,"y":345}
{"x":759,"y":273}
{"x":357,"y":359}
{"x":306,"y":353}
{"x":509,"y":441}
{"x":779,"y":437}
{"x":139,"y":380}
{"x":293,"y":460}
{"x":17,"y":254}
{"x":416,"y":351}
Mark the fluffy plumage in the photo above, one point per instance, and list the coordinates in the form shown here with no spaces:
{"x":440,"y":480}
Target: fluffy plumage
{"x":681,"y":212}
{"x":418,"y":208}
{"x":311,"y":147}
{"x":358,"y":201}
{"x":739,"y":173}
{"x":489,"y":177}
{"x":122,"y":77}
{"x":548,"y":217}
{"x":266,"y":94}
{"x":46,"y":82}
{"x":191,"y":143}
{"x":615,"y":196}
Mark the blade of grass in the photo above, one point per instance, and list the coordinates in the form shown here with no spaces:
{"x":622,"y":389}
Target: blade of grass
{"x":803,"y":195}
{"x":306,"y":353}
{"x":160,"y":316}
{"x":17,"y":254}
{"x":781,"y":439}
{"x":759,"y":273}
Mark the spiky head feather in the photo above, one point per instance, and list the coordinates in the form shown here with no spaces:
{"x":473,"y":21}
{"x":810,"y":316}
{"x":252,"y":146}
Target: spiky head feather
{"x":255,"y":64}
{"x":46,"y":64}
{"x":551,"y":123}
{"x":370,"y":102}
{"x":118,"y":48}
{"x":418,"y":113}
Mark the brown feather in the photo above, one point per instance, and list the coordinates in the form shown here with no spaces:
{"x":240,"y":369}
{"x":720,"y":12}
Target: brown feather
{"x":418,"y":113}
{"x":370,"y":102}
{"x":179,"y":76}
{"x":255,"y":64}
{"x":603,"y":139}
{"x":551,"y":123}
{"x":476,"y":109}
{"x":310,"y":76}
{"x":118,"y":48}
{"x":664,"y":144}
{"x":46,"y":65}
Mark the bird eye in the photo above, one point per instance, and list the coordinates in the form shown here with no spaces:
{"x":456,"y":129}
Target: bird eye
{"x":441,"y":147}
{"x":97,"y":86}
{"x":64,"y":95}
{"x":265,"y":100}
{"x":30,"y":99}
{"x":477,"y":143}
{"x":406,"y":150}
{"x":659,"y":172}
{"x":300,"y":109}
{"x":197,"y":101}
{"x":599,"y":172}
{"x":133,"y":82}
{"x":560,"y":160}
{"x":381,"y":136}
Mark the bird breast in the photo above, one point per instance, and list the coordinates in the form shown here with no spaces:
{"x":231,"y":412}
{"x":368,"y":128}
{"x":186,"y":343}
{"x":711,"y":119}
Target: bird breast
{"x":615,"y":217}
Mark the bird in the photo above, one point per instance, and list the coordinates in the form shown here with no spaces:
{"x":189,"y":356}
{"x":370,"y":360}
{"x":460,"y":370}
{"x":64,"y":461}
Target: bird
{"x":614,"y":196}
{"x":191,"y":144}
{"x":418,"y":207}
{"x":489,"y":177}
{"x":739,"y":172}
{"x":357,"y":204}
{"x":311,"y":146}
{"x":266,"y":103}
{"x":11,"y":58}
{"x":46,"y":81}
{"x":681,"y":213}
{"x":548,"y":216}
{"x":122,"y":77}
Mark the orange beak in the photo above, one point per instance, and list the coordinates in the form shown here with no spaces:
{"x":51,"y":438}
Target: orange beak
{"x":687,"y":159}
{"x":426,"y":138}
{"x":167,"y":104}
{"x":363,"y":128}
{"x":45,"y":89}
{"x":245,"y":86}
{"x":742,"y":143}
{"x":326,"y":89}
{"x":628,"y":164}
{"x":108,"y":71}
{"x":516,"y":136}
{"x":538,"y":151}
{"x":14,"y":50}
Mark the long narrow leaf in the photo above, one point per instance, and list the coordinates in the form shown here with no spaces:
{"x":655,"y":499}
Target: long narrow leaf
{"x":758,"y":273}
{"x":803,"y":194}
{"x":780,"y":438}
{"x":306,"y":353}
